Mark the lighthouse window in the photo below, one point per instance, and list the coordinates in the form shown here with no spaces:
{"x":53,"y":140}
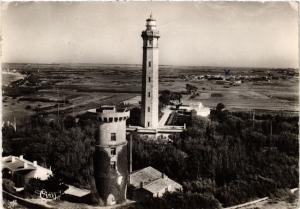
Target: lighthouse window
{"x":150,"y":42}
{"x":149,"y":64}
{"x":113,"y":165}
{"x":113,"y":151}
{"x":113,"y":137}
{"x":149,"y":79}
{"x":148,"y":124}
{"x":148,"y":109}
{"x":148,"y":94}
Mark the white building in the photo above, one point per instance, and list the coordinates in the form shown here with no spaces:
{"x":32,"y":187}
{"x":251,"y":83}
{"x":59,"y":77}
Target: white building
{"x":20,"y":170}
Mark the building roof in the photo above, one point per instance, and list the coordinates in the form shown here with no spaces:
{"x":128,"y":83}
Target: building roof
{"x":160,"y":184}
{"x":74,"y":191}
{"x":153,"y":180}
{"x":145,"y":175}
{"x":16,"y":164}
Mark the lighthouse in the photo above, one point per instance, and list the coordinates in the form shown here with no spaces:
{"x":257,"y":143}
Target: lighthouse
{"x":149,"y":110}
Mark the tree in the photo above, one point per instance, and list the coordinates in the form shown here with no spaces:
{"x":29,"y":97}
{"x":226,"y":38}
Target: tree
{"x":69,"y":122}
{"x":176,"y":96}
{"x":190,"y":88}
{"x":165,"y":97}
{"x":220,"y":107}
{"x":135,"y":117}
{"x":219,"y":113}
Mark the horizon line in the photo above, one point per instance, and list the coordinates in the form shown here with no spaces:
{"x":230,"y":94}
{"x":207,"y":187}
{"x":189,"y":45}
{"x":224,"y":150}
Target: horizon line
{"x":92,"y":63}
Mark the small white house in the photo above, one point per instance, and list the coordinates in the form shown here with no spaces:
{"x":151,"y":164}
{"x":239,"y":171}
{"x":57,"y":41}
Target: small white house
{"x":20,"y":170}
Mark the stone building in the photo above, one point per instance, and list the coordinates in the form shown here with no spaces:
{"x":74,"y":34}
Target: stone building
{"x":110,"y":162}
{"x":149,"y":113}
{"x":149,"y":182}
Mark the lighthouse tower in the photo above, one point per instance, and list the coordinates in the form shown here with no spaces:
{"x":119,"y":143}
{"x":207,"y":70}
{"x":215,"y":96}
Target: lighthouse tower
{"x":110,"y":161}
{"x":149,"y":112}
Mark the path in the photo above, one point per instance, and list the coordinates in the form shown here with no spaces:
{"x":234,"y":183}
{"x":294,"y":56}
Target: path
{"x":165,"y":116}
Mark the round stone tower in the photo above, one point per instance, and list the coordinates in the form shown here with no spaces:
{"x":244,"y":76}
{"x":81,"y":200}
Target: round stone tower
{"x":110,"y":162}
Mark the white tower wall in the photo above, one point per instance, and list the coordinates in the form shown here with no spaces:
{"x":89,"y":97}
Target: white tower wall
{"x":150,"y":90}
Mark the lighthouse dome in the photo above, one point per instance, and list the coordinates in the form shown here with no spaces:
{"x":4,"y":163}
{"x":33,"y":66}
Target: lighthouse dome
{"x":151,"y":23}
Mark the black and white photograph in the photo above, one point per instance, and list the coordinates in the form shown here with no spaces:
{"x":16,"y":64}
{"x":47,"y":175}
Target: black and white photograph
{"x":150,"y":104}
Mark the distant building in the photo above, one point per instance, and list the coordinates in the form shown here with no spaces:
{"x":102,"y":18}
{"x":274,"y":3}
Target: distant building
{"x":110,"y":161}
{"x":149,"y":182}
{"x":20,"y":171}
{"x":149,"y":112}
{"x":237,"y":83}
{"x":132,"y":101}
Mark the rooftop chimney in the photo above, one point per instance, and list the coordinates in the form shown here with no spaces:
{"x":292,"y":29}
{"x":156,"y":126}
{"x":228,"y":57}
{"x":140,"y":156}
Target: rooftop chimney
{"x":13,"y":158}
{"x":163,"y":176}
{"x":35,"y":163}
{"x":25,"y":165}
{"x":21,"y":157}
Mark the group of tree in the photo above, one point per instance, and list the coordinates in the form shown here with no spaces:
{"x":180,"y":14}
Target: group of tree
{"x":167,"y":97}
{"x":191,"y":88}
{"x":230,"y":155}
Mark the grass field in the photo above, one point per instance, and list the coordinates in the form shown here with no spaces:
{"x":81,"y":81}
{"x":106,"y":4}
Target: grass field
{"x":248,"y":96}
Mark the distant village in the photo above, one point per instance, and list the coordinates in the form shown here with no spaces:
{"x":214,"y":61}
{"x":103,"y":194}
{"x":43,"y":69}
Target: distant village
{"x":234,"y":78}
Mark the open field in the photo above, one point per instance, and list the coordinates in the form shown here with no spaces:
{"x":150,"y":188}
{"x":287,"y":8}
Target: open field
{"x":73,"y":89}
{"x":279,"y":95}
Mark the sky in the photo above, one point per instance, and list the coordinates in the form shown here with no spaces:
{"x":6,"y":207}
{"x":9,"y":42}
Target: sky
{"x":237,"y":34}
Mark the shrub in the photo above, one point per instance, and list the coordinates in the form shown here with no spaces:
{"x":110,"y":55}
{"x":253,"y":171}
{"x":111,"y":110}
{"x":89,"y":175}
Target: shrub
{"x":284,"y":195}
{"x":52,"y":184}
{"x":8,"y":185}
{"x":181,"y":200}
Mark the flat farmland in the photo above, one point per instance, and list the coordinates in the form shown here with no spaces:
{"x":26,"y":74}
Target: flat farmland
{"x":277,"y":96}
{"x":73,"y":89}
